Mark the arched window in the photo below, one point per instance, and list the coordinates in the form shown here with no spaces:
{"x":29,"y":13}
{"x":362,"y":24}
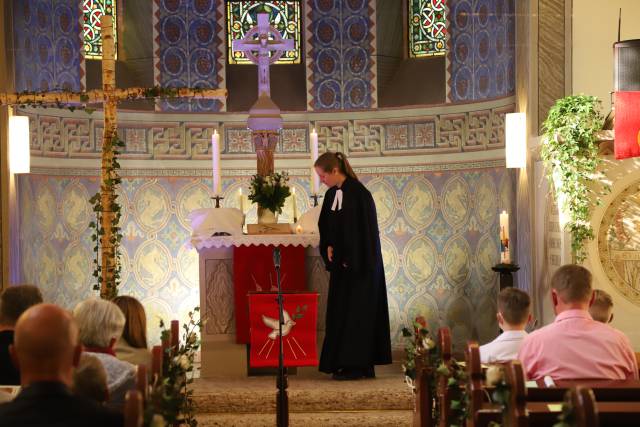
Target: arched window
{"x":92,"y":11}
{"x":284,"y":15}
{"x":427,"y":28}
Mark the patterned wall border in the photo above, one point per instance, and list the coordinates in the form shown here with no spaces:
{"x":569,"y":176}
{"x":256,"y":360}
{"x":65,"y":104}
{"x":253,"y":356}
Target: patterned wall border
{"x":148,"y":136}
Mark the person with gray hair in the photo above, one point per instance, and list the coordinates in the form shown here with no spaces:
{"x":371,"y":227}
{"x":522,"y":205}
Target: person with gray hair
{"x":14,"y":300}
{"x":100,"y":325}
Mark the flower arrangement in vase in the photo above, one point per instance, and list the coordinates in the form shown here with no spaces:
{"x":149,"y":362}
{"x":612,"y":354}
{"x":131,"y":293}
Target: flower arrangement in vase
{"x":270,"y":193}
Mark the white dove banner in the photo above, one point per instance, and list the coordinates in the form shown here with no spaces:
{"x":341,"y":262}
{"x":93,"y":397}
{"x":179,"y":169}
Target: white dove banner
{"x":298,"y":329}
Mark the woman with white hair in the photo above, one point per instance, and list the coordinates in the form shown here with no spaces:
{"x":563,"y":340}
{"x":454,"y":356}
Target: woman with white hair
{"x":100,"y":325}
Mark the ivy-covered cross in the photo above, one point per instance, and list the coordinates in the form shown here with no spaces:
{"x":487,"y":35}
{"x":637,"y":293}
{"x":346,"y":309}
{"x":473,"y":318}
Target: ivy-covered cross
{"x":107,"y":235}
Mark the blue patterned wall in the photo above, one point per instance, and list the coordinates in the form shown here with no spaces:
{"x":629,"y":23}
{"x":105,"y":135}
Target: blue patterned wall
{"x":47,"y":45}
{"x":481,"y":49}
{"x":439,"y":236}
{"x":188,"y":46}
{"x":341,"y":48}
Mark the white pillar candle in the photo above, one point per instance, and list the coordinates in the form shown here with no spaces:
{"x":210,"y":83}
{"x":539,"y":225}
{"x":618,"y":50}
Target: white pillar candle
{"x":504,"y":225}
{"x":241,"y":201}
{"x":295,"y":204}
{"x":215,"y":156}
{"x":315,"y":179}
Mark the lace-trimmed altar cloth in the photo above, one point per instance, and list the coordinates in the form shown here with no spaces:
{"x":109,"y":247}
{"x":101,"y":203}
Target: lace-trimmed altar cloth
{"x":305,"y":240}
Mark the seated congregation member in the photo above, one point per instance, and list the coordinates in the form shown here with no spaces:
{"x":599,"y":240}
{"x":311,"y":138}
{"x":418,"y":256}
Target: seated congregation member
{"x":602,"y":307}
{"x":132,"y":345}
{"x":100,"y":326}
{"x":90,"y":379}
{"x":46,"y":349}
{"x":13,"y":302}
{"x":575,"y":346}
{"x":514,"y":312}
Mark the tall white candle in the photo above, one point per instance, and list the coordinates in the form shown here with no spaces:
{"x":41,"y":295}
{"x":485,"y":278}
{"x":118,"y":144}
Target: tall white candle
{"x":315,"y":179}
{"x":241,"y":200}
{"x":295,"y":204}
{"x":215,"y":155}
{"x":504,"y":225}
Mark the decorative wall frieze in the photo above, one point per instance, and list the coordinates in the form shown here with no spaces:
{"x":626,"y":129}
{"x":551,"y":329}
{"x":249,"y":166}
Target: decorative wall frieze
{"x":149,"y":136}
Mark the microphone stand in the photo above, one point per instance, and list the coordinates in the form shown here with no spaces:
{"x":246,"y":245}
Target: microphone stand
{"x":282,"y":402}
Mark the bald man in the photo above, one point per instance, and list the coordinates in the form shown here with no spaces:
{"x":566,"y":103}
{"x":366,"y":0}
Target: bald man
{"x":46,"y":350}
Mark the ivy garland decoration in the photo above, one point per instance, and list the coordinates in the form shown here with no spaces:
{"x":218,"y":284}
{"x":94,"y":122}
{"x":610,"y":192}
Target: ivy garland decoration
{"x":570,"y":155}
{"x":110,"y":184}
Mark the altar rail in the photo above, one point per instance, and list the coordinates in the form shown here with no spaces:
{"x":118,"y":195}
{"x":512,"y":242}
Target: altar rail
{"x":438,"y":129}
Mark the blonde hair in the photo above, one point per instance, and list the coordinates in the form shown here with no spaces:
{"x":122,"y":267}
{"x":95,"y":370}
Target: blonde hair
{"x":573,"y":283}
{"x":90,"y":379}
{"x":602,"y":306}
{"x":135,"y":325}
{"x":99,"y":322}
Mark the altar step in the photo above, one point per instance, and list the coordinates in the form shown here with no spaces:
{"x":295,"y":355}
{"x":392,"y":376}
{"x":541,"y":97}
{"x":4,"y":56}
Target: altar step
{"x":313,"y":402}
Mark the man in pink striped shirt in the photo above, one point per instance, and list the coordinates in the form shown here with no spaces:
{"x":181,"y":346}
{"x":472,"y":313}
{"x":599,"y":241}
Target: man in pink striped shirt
{"x":575,"y":346}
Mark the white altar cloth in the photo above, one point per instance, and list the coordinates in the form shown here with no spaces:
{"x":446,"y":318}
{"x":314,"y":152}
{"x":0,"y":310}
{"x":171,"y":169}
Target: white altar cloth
{"x":306,"y":240}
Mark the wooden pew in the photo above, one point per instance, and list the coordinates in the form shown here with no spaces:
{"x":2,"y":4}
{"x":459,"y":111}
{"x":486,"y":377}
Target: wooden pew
{"x":423,"y":411}
{"x":133,"y":414}
{"x":444,"y":398}
{"x":583,"y":403}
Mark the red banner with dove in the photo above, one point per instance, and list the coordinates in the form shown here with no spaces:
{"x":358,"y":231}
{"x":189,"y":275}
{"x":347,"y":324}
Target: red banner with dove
{"x":298,"y":331}
{"x":627,"y":125}
{"x":253,"y":271}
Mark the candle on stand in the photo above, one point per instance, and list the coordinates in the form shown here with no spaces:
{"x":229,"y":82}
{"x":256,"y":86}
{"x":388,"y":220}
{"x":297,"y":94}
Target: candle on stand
{"x":215,"y":155}
{"x":241,"y":200}
{"x":295,"y":204}
{"x":315,"y":179}
{"x":504,"y":238}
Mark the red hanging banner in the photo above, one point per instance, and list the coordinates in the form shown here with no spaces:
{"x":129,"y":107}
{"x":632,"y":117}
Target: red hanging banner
{"x":298,"y":331}
{"x":627,"y":125}
{"x":253,"y":271}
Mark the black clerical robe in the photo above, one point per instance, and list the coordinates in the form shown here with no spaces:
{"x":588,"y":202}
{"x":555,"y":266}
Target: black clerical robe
{"x":357,"y":321}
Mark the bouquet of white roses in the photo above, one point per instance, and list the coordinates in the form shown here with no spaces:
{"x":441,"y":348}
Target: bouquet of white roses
{"x":270,"y":192}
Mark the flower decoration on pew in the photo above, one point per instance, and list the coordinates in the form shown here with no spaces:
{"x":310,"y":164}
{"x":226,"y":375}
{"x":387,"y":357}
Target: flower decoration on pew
{"x":171,"y":398}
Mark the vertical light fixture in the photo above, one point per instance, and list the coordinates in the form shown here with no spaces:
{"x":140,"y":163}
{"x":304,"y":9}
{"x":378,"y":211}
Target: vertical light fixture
{"x":19,"y":155}
{"x":516,"y":140}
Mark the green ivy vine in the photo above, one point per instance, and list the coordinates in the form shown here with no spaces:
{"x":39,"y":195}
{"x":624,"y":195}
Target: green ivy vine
{"x":111,"y":184}
{"x":570,"y":154}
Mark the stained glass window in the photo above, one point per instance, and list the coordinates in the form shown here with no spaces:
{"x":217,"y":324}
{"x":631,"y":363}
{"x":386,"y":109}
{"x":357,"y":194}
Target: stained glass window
{"x":283,"y":15}
{"x":92,"y":11}
{"x":427,"y":28}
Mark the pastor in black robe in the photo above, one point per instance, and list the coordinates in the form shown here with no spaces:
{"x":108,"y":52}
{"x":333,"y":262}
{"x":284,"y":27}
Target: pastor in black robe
{"x":357,"y":321}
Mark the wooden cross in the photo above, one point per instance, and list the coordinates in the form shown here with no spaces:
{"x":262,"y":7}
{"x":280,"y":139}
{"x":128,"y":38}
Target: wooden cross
{"x":262,"y":45}
{"x":109,"y":97}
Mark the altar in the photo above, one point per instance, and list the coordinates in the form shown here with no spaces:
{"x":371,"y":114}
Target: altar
{"x":221,"y":355}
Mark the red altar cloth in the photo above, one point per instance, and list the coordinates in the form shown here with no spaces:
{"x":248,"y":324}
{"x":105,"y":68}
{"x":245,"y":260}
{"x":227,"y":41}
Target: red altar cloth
{"x":627,"y":125}
{"x":298,"y":331}
{"x":253,"y":271}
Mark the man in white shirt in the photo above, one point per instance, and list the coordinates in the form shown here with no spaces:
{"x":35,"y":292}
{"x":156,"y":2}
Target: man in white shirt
{"x":514,"y":312}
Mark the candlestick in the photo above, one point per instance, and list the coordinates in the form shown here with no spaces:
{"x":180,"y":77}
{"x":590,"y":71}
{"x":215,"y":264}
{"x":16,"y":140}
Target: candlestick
{"x":215,"y":157}
{"x":295,"y":205}
{"x":315,"y":179}
{"x":241,"y":200}
{"x":504,"y":238}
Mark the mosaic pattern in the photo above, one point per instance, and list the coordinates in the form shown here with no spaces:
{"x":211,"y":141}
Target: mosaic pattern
{"x":188,"y":50}
{"x":427,"y":28}
{"x":482,"y":49}
{"x":432,"y":268}
{"x":92,"y":12}
{"x":341,"y":51}
{"x":619,"y":243}
{"x":73,"y":137}
{"x":283,"y":15}
{"x":47,"y":45}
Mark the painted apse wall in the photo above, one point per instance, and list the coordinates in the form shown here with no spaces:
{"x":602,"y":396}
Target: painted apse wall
{"x":436,"y":172}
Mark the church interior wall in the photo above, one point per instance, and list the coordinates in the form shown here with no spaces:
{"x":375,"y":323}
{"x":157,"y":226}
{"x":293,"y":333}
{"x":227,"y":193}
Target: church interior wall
{"x":433,"y":159}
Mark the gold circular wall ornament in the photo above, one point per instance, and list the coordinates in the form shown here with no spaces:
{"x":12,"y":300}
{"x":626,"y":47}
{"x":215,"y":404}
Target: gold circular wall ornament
{"x":619,"y":243}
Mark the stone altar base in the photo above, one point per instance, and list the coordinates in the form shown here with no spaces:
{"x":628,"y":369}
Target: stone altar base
{"x":314,"y":400}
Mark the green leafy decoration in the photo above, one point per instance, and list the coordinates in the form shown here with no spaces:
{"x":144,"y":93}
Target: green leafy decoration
{"x":270,"y":192}
{"x":570,"y":155}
